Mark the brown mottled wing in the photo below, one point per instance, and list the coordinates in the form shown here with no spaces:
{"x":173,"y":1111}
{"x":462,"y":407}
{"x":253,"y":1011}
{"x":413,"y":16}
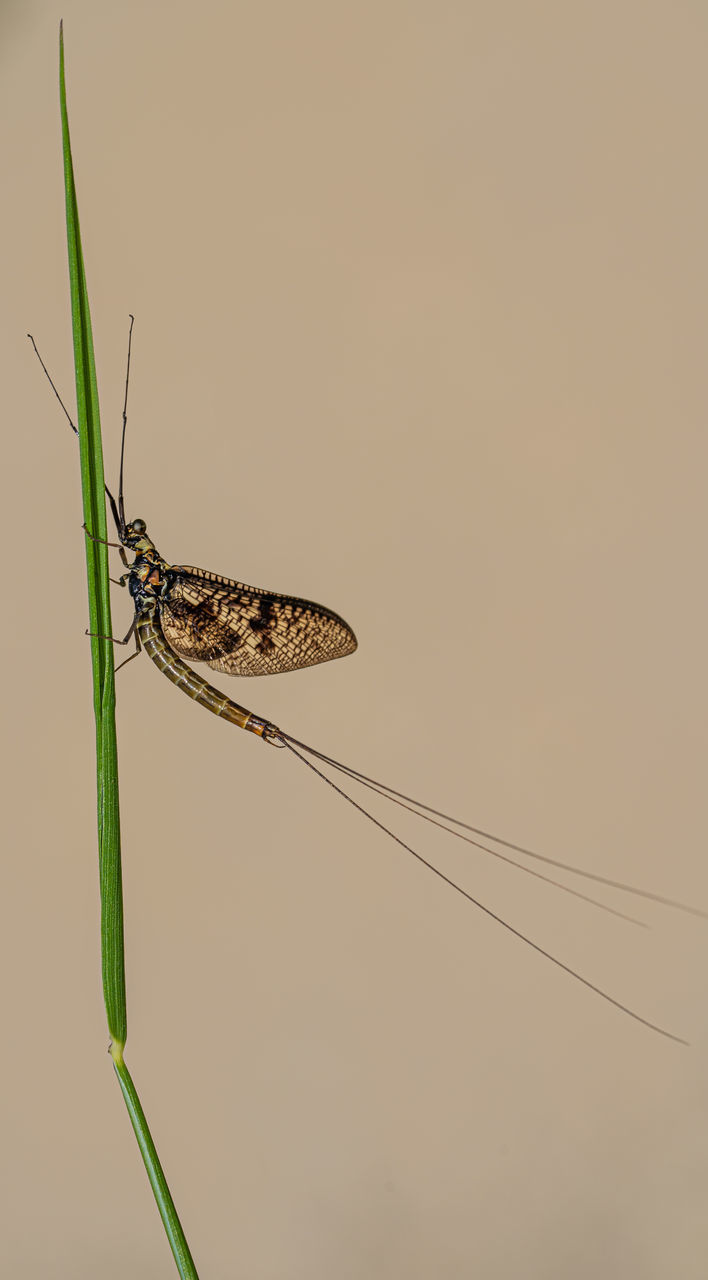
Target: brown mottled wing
{"x":247,"y":632}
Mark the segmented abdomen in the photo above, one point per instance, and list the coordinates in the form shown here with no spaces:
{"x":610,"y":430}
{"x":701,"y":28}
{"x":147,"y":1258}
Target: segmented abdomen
{"x":147,"y":623}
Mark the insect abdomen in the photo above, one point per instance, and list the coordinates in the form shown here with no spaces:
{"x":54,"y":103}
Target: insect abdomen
{"x":152,"y":640}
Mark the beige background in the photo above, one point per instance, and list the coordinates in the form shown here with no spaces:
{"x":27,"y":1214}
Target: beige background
{"x":420,"y":297}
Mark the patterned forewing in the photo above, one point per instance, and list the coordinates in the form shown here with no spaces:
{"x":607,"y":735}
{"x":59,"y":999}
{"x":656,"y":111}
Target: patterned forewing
{"x":244,"y":631}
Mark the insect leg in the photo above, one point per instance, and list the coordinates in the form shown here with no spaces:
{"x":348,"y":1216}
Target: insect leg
{"x":106,"y":543}
{"x":121,"y":552}
{"x":113,"y":639}
{"x":138,"y":647}
{"x":131,"y":632}
{"x":100,"y":636}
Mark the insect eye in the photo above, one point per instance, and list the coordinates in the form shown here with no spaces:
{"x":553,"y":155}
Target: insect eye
{"x":139,"y":526}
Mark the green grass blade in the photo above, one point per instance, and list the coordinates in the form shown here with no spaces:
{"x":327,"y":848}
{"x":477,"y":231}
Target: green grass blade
{"x":158,"y":1182}
{"x":104,"y":695}
{"x":92,"y":484}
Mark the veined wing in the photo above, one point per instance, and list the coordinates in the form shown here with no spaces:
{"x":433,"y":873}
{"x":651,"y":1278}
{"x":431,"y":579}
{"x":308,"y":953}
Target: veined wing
{"x":244,"y":631}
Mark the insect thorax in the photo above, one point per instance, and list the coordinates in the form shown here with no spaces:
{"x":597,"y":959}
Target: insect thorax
{"x":149,"y":576}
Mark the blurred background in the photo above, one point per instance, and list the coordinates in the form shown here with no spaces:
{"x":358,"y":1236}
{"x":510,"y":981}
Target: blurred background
{"x":420,"y":333}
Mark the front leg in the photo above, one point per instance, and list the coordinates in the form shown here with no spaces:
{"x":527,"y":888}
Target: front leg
{"x":106,"y":543}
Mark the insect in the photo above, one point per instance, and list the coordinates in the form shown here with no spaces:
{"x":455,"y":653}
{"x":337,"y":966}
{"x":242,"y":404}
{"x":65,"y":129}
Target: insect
{"x":181,"y":612}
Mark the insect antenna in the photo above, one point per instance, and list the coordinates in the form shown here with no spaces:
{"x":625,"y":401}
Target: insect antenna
{"x":114,"y":509}
{"x":301,"y":751}
{"x":121,"y":504}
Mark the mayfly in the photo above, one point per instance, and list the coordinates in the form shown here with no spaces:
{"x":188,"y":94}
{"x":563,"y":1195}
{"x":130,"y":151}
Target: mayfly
{"x":181,"y":612}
